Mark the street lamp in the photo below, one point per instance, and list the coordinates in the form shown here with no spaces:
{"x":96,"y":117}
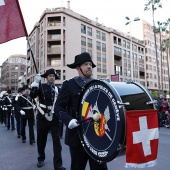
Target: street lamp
{"x":131,"y":58}
{"x":15,"y":83}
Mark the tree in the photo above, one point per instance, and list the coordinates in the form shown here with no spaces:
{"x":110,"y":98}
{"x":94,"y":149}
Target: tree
{"x":155,"y":4}
{"x":167,"y":45}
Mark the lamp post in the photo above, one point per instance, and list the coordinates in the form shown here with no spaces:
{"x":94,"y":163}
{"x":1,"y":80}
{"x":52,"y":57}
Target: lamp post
{"x":131,"y":58}
{"x":15,"y":83}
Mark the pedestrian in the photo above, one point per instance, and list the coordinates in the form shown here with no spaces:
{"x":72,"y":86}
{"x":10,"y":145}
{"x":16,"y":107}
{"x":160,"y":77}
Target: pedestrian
{"x":25,"y":107}
{"x":160,"y":100}
{"x":46,"y":119}
{"x":67,"y":109}
{"x":9,"y":115}
{"x":164,"y":108}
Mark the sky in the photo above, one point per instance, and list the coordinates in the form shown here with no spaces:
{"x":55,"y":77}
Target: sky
{"x":110,"y":13}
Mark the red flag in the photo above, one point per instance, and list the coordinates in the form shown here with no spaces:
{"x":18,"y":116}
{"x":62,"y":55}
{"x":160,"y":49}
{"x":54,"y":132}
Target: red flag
{"x":141,"y":138}
{"x":11,"y":21}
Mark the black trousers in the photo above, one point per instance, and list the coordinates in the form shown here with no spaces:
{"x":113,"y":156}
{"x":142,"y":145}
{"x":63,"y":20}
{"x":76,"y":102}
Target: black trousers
{"x":79,"y":159}
{"x":43,"y":127}
{"x":10,"y":119}
{"x":30,"y":126}
{"x":18,"y":124}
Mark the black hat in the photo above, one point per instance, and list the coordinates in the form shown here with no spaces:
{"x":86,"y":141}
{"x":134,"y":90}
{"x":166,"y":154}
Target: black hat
{"x":20,"y":90}
{"x":25,"y":87}
{"x":9,"y":92}
{"x":51,"y":71}
{"x":80,"y":59}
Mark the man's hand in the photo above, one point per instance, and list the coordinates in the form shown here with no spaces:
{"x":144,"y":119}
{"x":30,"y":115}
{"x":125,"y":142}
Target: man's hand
{"x":73,"y":124}
{"x":38,"y":78}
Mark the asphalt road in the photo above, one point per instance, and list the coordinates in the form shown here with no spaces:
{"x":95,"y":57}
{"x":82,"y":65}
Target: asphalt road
{"x":15,"y":155}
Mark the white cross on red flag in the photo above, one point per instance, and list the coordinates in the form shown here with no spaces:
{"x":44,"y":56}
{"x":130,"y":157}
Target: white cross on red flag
{"x":12,"y":25}
{"x":141,"y":138}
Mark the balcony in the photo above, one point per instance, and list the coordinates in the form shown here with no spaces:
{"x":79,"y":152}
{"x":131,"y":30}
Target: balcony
{"x":117,"y":55}
{"x":54,"y":50}
{"x":54,"y":37}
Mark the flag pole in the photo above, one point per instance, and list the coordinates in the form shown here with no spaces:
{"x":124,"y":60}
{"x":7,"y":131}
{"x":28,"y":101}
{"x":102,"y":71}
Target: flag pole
{"x":32,"y":55}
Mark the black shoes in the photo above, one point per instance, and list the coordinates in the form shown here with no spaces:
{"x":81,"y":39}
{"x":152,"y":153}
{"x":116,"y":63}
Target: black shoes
{"x":32,"y":141}
{"x":23,"y":141}
{"x":19,"y":136}
{"x":60,"y":168}
{"x":40,"y":164}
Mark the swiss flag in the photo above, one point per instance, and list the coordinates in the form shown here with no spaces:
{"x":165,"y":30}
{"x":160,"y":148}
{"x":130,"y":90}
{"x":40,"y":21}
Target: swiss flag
{"x":141,"y":138}
{"x":11,"y":21}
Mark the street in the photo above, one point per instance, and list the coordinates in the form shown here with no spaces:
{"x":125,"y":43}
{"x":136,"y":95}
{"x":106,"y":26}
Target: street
{"x":15,"y":155}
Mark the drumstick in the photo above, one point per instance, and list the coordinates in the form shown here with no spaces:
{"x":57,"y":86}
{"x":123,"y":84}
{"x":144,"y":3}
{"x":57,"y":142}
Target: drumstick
{"x":95,"y":117}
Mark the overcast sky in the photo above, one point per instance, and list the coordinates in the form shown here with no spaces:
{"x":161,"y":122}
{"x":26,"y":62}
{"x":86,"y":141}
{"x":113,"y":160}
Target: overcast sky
{"x":111,"y":13}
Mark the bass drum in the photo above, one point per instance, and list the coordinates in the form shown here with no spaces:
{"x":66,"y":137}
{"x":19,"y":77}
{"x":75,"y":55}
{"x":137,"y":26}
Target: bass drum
{"x":104,"y":139}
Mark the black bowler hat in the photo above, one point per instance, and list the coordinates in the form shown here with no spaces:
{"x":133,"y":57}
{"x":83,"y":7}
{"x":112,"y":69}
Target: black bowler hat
{"x":25,"y":87}
{"x":51,"y":71}
{"x":9,"y":92}
{"x":80,"y":59}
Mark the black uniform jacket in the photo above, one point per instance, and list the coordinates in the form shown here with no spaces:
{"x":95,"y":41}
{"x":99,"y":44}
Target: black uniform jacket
{"x":67,"y":107}
{"x":8,"y":101}
{"x":23,"y":103}
{"x":46,"y":99}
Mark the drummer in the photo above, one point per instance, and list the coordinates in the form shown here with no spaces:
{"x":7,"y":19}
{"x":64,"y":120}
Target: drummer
{"x":67,"y":108}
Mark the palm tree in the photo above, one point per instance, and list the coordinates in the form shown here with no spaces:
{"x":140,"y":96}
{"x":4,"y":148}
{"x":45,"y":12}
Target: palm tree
{"x":164,"y":48}
{"x":154,"y":4}
{"x":167,"y":44}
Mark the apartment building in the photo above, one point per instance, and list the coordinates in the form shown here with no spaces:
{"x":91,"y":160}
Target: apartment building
{"x":12,"y":69}
{"x":60,"y":34}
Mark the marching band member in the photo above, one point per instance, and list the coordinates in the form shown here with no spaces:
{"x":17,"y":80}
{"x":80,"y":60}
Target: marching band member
{"x":9,"y":115}
{"x":17,"y":113}
{"x":46,"y":119}
{"x":25,"y":107}
{"x":67,"y":109}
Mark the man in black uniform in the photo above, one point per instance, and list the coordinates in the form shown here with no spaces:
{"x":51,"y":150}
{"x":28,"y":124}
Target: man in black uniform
{"x":46,"y":119}
{"x":25,"y":107}
{"x":17,"y":113}
{"x":67,"y":107}
{"x":9,"y":115}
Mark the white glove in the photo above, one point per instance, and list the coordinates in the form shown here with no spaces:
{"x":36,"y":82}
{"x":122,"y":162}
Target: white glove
{"x":73,"y":124}
{"x":34,"y":106}
{"x":22,"y":112}
{"x":38,"y":78}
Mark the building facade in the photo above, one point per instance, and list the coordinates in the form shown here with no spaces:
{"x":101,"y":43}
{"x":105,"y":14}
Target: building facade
{"x":12,"y":69}
{"x":61,"y":34}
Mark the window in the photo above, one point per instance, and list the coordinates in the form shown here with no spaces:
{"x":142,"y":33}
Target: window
{"x":124,"y":43}
{"x":83,"y":41}
{"x":104,"y":58}
{"x":98,"y":45}
{"x":89,"y":42}
{"x":98,"y":67}
{"x":104,"y":69}
{"x":89,"y":31}
{"x":103,"y":36}
{"x":55,"y":62}
{"x":22,"y":67}
{"x":128,"y":45}
{"x":104,"y":47}
{"x":83,"y":50}
{"x":98,"y":56}
{"x":124,"y":53}
{"x":14,"y":67}
{"x":98,"y":36}
{"x":83,"y":29}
